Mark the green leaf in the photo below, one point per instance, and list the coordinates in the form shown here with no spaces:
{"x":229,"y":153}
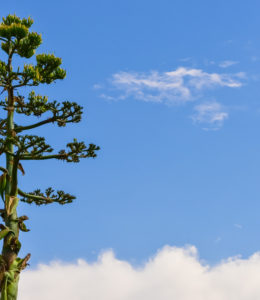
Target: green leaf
{"x":2,"y":185}
{"x":5,"y":230}
{"x":23,"y":227}
{"x":11,"y":279}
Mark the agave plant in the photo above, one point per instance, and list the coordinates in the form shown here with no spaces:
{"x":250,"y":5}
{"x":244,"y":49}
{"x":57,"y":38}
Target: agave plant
{"x":17,"y":40}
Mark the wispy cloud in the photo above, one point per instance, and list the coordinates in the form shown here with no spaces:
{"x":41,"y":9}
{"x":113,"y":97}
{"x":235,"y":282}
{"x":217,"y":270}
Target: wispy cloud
{"x":173,"y":273}
{"x":227,"y":63}
{"x":238,"y":226}
{"x":177,"y":86}
{"x":97,"y":86}
{"x":211,"y":114}
{"x":185,"y":59}
{"x":254,"y":58}
{"x":218,"y":240}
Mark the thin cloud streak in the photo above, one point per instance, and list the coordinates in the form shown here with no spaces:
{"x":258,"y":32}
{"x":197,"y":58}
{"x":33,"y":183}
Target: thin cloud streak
{"x":227,"y":63}
{"x":173,"y":273}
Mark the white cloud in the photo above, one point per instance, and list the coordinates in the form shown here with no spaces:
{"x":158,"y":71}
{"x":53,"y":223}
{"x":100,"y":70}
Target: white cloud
{"x":173,"y":273}
{"x":178,"y":86}
{"x":227,"y":63}
{"x":210,"y":113}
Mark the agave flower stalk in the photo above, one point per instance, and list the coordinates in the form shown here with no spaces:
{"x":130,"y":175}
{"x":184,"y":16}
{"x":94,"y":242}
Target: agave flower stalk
{"x":17,"y":40}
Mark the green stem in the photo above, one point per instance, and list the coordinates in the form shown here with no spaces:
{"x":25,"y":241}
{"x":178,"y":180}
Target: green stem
{"x":21,"y":193}
{"x":11,"y":245}
{"x":9,"y":145}
{"x":22,"y":128}
{"x":56,"y":156}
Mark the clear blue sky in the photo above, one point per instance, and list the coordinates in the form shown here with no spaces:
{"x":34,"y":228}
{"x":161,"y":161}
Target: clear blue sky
{"x":170,"y":91}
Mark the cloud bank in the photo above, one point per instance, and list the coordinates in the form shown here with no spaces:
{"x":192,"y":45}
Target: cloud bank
{"x":178,"y":86}
{"x":172,"y":274}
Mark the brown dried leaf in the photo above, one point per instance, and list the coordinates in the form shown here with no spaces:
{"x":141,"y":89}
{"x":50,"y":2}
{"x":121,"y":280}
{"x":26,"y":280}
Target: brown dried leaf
{"x":11,"y":203}
{"x":20,"y":167}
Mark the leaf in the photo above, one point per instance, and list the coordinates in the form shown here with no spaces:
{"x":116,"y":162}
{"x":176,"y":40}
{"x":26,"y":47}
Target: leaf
{"x":23,"y":263}
{"x":23,"y":227}
{"x":20,"y":167}
{"x":22,"y":218}
{"x":11,"y":203}
{"x":2,"y":185}
{"x":14,"y":244}
{"x":4,"y":232}
{"x":11,"y":278}
{"x":4,"y":290}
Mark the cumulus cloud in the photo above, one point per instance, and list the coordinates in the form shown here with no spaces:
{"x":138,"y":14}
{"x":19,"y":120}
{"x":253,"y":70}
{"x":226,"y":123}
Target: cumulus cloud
{"x":173,"y":273}
{"x":211,"y":114}
{"x":177,"y":86}
{"x":227,"y":63}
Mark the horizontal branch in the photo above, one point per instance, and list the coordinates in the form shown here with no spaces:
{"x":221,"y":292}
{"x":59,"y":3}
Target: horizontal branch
{"x":30,"y":157}
{"x":24,"y":84}
{"x":22,"y":128}
{"x":35,"y":197}
{"x":47,"y":197}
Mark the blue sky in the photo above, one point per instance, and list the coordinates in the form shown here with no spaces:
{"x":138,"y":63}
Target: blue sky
{"x":170,"y":91}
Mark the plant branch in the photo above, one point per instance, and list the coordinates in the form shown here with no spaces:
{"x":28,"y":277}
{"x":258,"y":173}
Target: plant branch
{"x":22,"y":128}
{"x":30,"y":157}
{"x":50,"y":196}
{"x":35,"y":197}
